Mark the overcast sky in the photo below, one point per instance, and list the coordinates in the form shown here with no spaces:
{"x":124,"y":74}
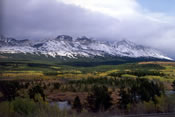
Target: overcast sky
{"x":146,"y":22}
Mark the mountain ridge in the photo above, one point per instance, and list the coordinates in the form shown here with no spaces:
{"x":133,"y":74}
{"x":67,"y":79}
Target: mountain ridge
{"x":66,"y":46}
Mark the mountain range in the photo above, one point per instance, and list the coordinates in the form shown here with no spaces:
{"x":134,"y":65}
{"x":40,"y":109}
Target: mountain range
{"x":66,"y":46}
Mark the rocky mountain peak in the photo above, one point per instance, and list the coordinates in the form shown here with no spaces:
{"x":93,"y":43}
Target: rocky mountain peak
{"x":64,"y":38}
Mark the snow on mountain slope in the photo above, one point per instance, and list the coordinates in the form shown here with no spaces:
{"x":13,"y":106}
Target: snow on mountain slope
{"x":18,"y":49}
{"x":66,"y":46}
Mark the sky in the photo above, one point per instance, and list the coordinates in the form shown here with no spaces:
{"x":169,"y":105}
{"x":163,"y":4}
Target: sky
{"x":146,"y":22}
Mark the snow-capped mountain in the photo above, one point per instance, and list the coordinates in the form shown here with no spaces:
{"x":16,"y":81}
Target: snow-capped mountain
{"x":66,"y":46}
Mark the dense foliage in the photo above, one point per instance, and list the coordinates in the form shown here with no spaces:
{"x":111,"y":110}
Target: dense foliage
{"x":141,"y":90}
{"x":9,"y":89}
{"x":36,"y":90}
{"x":99,"y":99}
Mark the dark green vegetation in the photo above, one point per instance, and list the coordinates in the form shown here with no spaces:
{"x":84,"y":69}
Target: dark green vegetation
{"x":27,"y":87}
{"x":173,"y":85}
{"x":80,"y":61}
{"x":99,"y":99}
{"x":9,"y":89}
{"x":137,"y":73}
{"x":140,"y":90}
{"x":30,"y":98}
{"x":77,"y":104}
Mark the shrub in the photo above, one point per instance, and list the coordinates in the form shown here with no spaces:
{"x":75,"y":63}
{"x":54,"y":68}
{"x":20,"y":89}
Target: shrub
{"x":23,"y":106}
{"x":36,"y":90}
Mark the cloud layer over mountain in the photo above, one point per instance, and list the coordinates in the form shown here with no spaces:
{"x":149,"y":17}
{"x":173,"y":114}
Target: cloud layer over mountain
{"x":103,"y":20}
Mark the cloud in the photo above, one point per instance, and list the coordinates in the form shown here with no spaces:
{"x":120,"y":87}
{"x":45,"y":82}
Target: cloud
{"x":44,"y":18}
{"x":101,"y":19}
{"x":114,"y":8}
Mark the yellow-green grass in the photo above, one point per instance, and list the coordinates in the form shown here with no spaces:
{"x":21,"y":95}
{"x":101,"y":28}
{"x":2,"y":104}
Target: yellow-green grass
{"x":128,"y":76}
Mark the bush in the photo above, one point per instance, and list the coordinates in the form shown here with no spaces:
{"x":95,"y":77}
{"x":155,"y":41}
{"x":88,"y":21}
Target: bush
{"x":23,"y":106}
{"x":36,"y":90}
{"x":6,"y":109}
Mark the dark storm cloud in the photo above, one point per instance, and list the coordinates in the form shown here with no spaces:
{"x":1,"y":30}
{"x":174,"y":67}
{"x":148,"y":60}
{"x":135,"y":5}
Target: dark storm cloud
{"x":48,"y":18}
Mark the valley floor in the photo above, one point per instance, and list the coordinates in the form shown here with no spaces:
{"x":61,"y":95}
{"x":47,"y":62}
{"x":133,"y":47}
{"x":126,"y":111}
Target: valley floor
{"x":129,"y":88}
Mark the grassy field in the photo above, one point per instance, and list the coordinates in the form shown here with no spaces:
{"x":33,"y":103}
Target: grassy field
{"x":49,"y":70}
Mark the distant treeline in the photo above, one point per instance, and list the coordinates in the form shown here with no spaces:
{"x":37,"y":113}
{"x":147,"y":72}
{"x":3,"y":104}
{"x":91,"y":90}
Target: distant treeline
{"x":137,"y":73}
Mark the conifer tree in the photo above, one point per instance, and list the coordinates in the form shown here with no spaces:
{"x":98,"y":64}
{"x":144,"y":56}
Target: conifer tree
{"x":77,"y":104}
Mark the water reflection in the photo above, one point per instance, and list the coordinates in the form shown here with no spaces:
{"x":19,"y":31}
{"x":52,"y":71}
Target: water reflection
{"x":62,"y":105}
